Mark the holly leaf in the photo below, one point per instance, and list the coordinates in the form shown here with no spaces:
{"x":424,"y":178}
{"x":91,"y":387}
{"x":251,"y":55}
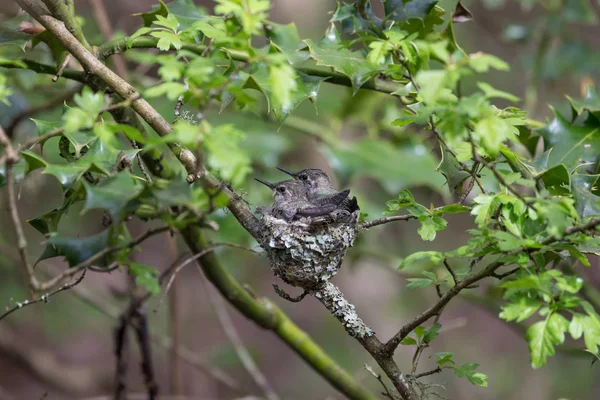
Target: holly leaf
{"x":591,"y":102}
{"x":13,"y":38}
{"x":270,"y":85}
{"x":557,"y":180}
{"x":78,"y":250}
{"x":112,"y":194}
{"x":287,"y":39}
{"x":570,"y":144}
{"x":450,"y":168}
{"x":150,"y":16}
{"x":586,"y":191}
{"x":331,"y":52}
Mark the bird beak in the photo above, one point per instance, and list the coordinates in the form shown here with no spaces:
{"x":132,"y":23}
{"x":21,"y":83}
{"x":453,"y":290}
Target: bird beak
{"x":290,"y":173}
{"x":269,"y":184}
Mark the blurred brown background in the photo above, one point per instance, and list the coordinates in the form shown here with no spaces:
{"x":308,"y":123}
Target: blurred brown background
{"x":65,"y":348}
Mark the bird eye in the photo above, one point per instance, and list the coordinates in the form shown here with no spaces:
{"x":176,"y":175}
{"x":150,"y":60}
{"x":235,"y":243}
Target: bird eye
{"x":281,"y":189}
{"x":303,"y":177}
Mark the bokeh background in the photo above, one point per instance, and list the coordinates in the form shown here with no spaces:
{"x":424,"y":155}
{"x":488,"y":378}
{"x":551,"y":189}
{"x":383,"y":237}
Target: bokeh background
{"x":64,"y":350}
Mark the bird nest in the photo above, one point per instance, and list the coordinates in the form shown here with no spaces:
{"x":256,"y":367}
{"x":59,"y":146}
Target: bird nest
{"x":307,"y":253}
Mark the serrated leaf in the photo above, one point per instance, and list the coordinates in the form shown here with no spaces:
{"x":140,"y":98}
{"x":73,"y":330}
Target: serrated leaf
{"x":434,"y":257}
{"x":467,"y":370}
{"x":408,"y":341}
{"x":145,"y":276}
{"x":576,"y":325}
{"x":543,"y":336}
{"x":418,"y":283}
{"x":520,"y":310}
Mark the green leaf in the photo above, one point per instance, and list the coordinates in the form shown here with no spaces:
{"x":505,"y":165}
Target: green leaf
{"x":543,"y":336}
{"x":435,"y":257}
{"x":450,"y":168}
{"x":68,"y":173}
{"x":524,"y":308}
{"x":14,"y":38}
{"x":287,"y":39}
{"x":591,"y":102}
{"x":145,"y":276}
{"x":576,"y":325}
{"x":166,"y":40}
{"x":557,"y":179}
{"x":432,"y":332}
{"x":418,"y":283}
{"x":493,"y":131}
{"x":402,"y":10}
{"x":172,"y":89}
{"x":452,"y":209}
{"x":591,"y":332}
{"x":150,"y":17}
{"x":481,"y":62}
{"x":467,"y":370}
{"x":77,"y":250}
{"x":331,"y":52}
{"x":408,"y":341}
{"x":491,"y":92}
{"x":570,"y":144}
{"x":430,"y":225}
{"x":226,"y":157}
{"x":305,"y":87}
{"x":586,"y":191}
{"x":170,"y":22}
{"x":444,"y":359}
{"x":112,"y":194}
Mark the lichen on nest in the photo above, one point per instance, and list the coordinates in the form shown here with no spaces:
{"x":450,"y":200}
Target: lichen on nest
{"x":307,"y":253}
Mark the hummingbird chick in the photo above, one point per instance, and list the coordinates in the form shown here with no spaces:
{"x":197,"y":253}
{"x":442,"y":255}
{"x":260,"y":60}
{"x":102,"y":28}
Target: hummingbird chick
{"x":319,"y":188}
{"x":291,"y":203}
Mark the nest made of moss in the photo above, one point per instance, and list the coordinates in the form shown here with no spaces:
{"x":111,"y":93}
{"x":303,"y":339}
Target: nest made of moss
{"x":308,"y":252}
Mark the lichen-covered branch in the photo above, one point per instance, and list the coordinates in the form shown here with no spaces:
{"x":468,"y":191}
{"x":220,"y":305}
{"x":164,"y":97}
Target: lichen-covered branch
{"x":333,"y":299}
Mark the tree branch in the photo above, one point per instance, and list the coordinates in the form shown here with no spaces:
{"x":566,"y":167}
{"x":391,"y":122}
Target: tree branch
{"x":385,"y":220}
{"x":118,"y":46}
{"x":44,"y":298}
{"x":489,"y":270}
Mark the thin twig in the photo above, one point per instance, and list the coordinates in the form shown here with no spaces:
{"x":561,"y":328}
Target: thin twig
{"x":377,"y":376}
{"x":44,"y":298}
{"x":451,"y":271}
{"x":232,"y":334}
{"x":62,"y":67}
{"x":433,"y":371}
{"x":385,"y":220}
